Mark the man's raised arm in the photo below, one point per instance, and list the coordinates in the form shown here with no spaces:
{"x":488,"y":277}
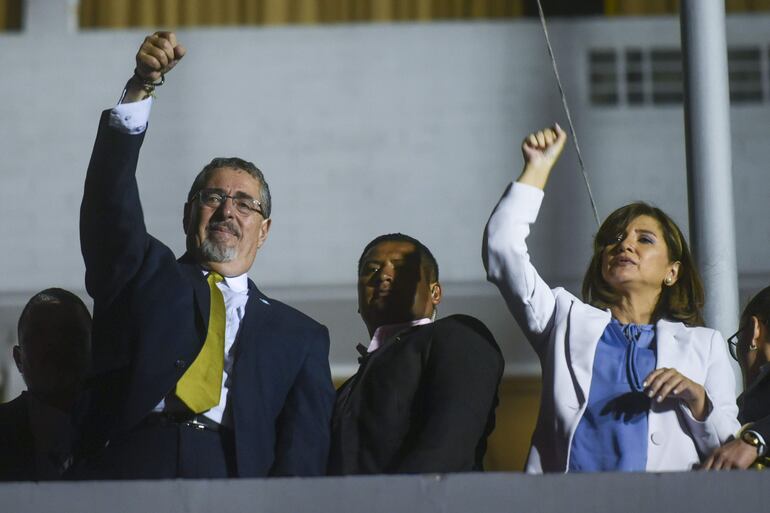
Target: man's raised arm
{"x":113,"y":237}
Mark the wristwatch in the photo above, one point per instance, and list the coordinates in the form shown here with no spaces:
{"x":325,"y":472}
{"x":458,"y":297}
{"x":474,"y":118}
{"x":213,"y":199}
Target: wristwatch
{"x":754,"y":439}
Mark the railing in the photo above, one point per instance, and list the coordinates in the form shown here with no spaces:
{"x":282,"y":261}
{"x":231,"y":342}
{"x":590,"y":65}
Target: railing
{"x":697,"y":492}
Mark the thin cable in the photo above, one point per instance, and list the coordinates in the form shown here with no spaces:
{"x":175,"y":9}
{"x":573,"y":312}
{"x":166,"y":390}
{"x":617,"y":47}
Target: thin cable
{"x":569,"y":116}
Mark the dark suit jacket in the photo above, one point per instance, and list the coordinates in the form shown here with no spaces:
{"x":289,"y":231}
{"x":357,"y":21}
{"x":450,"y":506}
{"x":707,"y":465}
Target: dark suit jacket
{"x":754,"y":406}
{"x":17,"y":446}
{"x":150,"y":319}
{"x":422,"y":402}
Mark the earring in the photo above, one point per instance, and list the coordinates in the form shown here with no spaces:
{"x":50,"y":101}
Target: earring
{"x":753,"y":346}
{"x":668,"y":281}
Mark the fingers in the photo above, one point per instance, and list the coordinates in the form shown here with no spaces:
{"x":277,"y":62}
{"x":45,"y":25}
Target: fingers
{"x":671,"y":385}
{"x":179,"y":52}
{"x":735,"y":454}
{"x":157,"y":55}
{"x":661,"y":381}
{"x":542,"y":139}
{"x":561,"y":135}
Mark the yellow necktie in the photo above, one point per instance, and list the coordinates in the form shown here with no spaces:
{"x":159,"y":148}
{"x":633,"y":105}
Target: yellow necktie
{"x":199,"y":388}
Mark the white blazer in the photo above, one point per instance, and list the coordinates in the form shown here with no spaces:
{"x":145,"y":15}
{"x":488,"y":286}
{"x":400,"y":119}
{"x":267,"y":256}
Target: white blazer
{"x":564,"y":332}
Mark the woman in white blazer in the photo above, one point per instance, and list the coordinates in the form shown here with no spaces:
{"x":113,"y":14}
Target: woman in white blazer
{"x":641,"y":282}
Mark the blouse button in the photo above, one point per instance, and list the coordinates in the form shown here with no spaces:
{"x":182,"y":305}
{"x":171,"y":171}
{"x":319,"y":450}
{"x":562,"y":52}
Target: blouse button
{"x":657,"y":438}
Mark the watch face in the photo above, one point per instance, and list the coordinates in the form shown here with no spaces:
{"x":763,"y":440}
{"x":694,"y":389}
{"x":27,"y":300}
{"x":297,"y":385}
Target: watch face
{"x":750,"y":438}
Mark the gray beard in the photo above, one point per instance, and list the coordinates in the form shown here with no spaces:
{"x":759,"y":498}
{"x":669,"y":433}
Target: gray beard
{"x":212,"y":252}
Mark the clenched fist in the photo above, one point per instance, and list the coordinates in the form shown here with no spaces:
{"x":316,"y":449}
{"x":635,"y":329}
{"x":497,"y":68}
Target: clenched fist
{"x":541,"y":150}
{"x":158,"y":55}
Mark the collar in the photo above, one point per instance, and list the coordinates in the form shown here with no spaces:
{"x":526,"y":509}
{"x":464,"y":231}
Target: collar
{"x":384,"y":332}
{"x":235,"y":283}
{"x":764,"y":370}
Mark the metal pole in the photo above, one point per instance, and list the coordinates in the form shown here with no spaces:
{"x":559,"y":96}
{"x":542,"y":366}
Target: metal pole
{"x":709,"y":166}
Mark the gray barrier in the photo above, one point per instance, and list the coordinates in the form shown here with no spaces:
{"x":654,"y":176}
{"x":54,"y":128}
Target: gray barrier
{"x":477,"y":493}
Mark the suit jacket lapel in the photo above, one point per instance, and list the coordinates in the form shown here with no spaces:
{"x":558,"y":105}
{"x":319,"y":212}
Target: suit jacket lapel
{"x":254,"y":328}
{"x":585,"y":328}
{"x":194,"y":273}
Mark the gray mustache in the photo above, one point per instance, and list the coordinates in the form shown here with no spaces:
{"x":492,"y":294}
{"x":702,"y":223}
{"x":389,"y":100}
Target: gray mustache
{"x":227,"y":225}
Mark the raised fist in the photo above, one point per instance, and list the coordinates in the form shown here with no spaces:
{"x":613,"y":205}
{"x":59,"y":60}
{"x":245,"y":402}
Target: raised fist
{"x":542,"y":149}
{"x":158,"y":55}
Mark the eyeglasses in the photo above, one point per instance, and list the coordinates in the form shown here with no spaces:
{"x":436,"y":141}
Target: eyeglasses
{"x":732,"y":343}
{"x":244,"y":205}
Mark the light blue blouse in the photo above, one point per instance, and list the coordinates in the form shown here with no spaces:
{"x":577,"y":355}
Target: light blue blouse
{"x":612,"y":434}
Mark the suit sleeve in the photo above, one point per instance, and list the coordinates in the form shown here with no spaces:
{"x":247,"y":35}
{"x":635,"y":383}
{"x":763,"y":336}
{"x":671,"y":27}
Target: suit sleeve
{"x":113,"y":237}
{"x":762,"y":426}
{"x":721,"y":422}
{"x":506,"y":260}
{"x":303,"y":428}
{"x":460,"y":384}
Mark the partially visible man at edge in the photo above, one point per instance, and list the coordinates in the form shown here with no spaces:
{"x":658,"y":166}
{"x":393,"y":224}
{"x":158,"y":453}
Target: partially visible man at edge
{"x":423,"y":399}
{"x":36,"y":428}
{"x":197,"y":373}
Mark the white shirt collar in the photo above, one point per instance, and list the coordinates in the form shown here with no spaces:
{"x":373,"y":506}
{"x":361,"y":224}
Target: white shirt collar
{"x":382,"y":333}
{"x":238,"y":283}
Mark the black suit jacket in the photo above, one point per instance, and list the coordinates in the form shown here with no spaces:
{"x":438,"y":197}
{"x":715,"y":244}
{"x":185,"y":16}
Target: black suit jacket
{"x":754,"y":406}
{"x":17,"y":446}
{"x":150,"y":320}
{"x":422,"y":402}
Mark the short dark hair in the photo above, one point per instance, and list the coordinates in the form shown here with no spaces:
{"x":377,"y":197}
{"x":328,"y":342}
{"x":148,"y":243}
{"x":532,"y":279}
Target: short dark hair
{"x":682,"y":301}
{"x":235,"y":163}
{"x":759,"y":306}
{"x":428,"y":261}
{"x":77,"y":322}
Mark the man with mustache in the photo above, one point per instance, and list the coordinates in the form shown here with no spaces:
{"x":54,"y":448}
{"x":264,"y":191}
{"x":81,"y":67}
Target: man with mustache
{"x":424,"y":397}
{"x":197,"y":374}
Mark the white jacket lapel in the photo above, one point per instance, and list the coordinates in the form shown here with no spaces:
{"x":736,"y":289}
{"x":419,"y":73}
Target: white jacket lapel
{"x":586,"y":325}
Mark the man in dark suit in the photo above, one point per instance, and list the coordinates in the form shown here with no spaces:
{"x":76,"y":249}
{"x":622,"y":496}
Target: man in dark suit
{"x":197,"y":374}
{"x":424,"y":396}
{"x":52,"y":355}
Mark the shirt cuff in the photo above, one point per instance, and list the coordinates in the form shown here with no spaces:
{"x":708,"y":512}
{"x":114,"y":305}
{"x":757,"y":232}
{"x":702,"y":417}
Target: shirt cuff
{"x":131,"y":118}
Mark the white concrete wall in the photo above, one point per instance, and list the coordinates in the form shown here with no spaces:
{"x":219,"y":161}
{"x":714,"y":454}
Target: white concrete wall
{"x":360,"y":130}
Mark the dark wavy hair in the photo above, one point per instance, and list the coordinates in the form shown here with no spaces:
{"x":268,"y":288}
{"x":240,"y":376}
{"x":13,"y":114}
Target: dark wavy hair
{"x":682,"y":301}
{"x":759,"y":305}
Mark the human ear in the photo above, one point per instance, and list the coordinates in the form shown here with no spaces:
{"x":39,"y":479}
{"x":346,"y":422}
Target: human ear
{"x":264,"y":228}
{"x":186,"y":217}
{"x":435,"y":293}
{"x":17,"y":358}
{"x":758,"y":333}
{"x":673,"y":274}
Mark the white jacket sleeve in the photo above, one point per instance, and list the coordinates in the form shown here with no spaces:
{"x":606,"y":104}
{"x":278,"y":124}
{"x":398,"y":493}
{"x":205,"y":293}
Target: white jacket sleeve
{"x":721,"y":421}
{"x":506,"y":260}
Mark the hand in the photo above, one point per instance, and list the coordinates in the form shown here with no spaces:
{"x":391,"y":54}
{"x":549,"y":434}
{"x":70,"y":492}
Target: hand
{"x":158,"y":55}
{"x":662,"y":383}
{"x":541,"y":150}
{"x":735,"y":454}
